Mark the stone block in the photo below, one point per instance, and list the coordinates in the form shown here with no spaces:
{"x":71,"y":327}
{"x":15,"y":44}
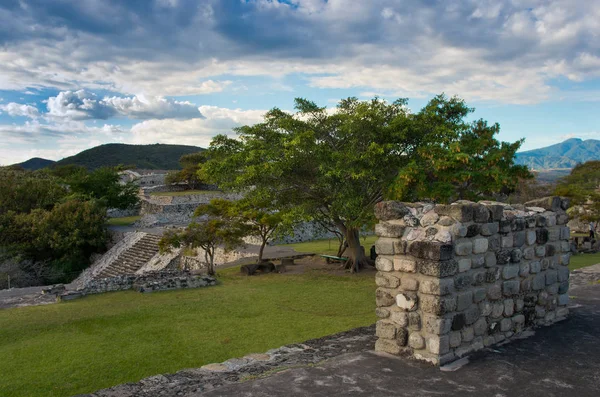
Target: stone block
{"x":480,"y":327}
{"x":510,"y":271}
{"x":505,"y":324}
{"x":563,"y":273}
{"x":400,"y":318}
{"x":494,"y":292}
{"x":540,"y":251}
{"x":526,"y":284}
{"x":429,"y":219}
{"x":414,"y":321}
{"x":384,"y":246}
{"x":565,"y":233}
{"x":562,"y":219}
{"x":505,"y":226}
{"x":458,"y":321}
{"x":563,"y":299}
{"x":473,"y":230}
{"x":438,"y":345}
{"x":463,"y":247}
{"x":485,"y":308}
{"x":382,"y":312}
{"x":386,"y":229}
{"x":519,"y":224}
{"x":459,"y":230}
{"x":464,"y":300}
{"x":410,"y":284}
{"x":494,"y":242}
{"x":511,"y":287}
{"x":519,"y":238}
{"x":547,"y":203}
{"x":387,"y":282}
{"x":386,"y":329}
{"x":528,"y":253}
{"x":540,"y":221}
{"x":539,"y":282}
{"x":461,"y":213}
{"x":472,"y":314}
{"x":480,"y":245}
{"x":530,"y":221}
{"x":389,"y":210}
{"x":464,"y":264}
{"x":479,"y":277}
{"x":551,"y":277}
{"x":563,"y":287}
{"x":550,"y":250}
{"x":405,"y":264}
{"x":468,"y":333}
{"x":416,"y":341}
{"x":496,"y":212}
{"x":531,"y":237}
{"x":516,"y":255}
{"x":524,"y":269}
{"x":477,"y":261}
{"x":497,"y":309}
{"x":438,"y":305}
{"x":541,"y":236}
{"x":455,"y":339}
{"x":490,"y":259}
{"x":503,"y":256}
{"x":437,"y":286}
{"x":565,"y":259}
{"x":407,"y":301}
{"x":391,"y":346}
{"x":384,"y":298}
{"x":479,"y":294}
{"x":436,"y":325}
{"x":507,"y":241}
{"x":462,"y":281}
{"x":509,"y":307}
{"x":446,"y":221}
{"x":481,"y":214}
{"x":492,"y":274}
{"x":554,"y":233}
{"x":489,"y":229}
{"x":431,"y":250}
{"x":535,"y":267}
{"x":384,"y":264}
{"x":438,"y":268}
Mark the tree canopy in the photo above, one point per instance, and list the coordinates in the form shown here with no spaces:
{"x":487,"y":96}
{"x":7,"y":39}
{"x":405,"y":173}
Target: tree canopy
{"x":189,"y":174}
{"x":582,"y":185}
{"x":338,"y":165}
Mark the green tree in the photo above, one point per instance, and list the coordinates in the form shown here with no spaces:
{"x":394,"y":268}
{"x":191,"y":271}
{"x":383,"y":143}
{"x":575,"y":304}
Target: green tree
{"x":249,"y":218}
{"x":102,"y":184}
{"x":22,"y":191}
{"x":191,"y":164}
{"x":338,"y":166}
{"x":207,"y":235}
{"x":582,"y":185}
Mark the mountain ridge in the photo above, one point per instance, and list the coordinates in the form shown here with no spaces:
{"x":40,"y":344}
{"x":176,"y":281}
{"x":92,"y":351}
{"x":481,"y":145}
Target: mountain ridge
{"x":563,"y":155}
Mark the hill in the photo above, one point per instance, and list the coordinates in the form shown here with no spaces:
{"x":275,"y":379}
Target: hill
{"x":566,"y":154}
{"x":154,"y":157}
{"x":36,"y":163}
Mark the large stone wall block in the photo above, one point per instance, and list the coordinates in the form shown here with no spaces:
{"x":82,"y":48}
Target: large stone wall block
{"x":438,"y":305}
{"x":389,"y":210}
{"x":459,"y":212}
{"x":387,"y":229}
{"x":384,"y":264}
{"x":384,"y":246}
{"x":481,"y":214}
{"x":549,"y":203}
{"x":384,"y":298}
{"x":431,"y":250}
{"x":463,"y":247}
{"x":405,"y":264}
{"x":488,"y":229}
{"x":407,"y":301}
{"x":480,"y":245}
{"x":437,"y":286}
{"x":437,"y":268}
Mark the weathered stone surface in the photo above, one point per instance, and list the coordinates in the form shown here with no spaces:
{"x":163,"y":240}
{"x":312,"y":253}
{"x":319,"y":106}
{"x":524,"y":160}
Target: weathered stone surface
{"x":429,"y":219}
{"x":446,"y":221}
{"x":384,"y":298}
{"x":488,"y":229}
{"x":464,"y":264}
{"x":436,"y":325}
{"x":551,"y":277}
{"x":516,"y":255}
{"x":431,"y":250}
{"x":462,"y":281}
{"x":437,"y":286}
{"x":437,"y":305}
{"x":503,"y":256}
{"x":511,"y":287}
{"x":400,"y":318}
{"x":539,"y":282}
{"x":463,"y":247}
{"x":494,"y":292}
{"x":455,"y":339}
{"x":389,"y":210}
{"x":528,"y":253}
{"x":480,"y":327}
{"x":563,"y":274}
{"x":384,"y":264}
{"x":519,"y":238}
{"x":384,"y":246}
{"x":490,"y":259}
{"x":438,"y":345}
{"x":464,"y":300}
{"x":496,"y":211}
{"x":386,"y":229}
{"x":510,"y":271}
{"x":480,"y":245}
{"x":382,"y":312}
{"x":461,"y":213}
{"x":509,"y":307}
{"x":481,"y":213}
{"x":438,"y":269}
{"x":405,"y":264}
{"x":473,"y":230}
{"x":548,"y":203}
{"x":386,"y":329}
{"x":507,"y":241}
{"x":410,"y":284}
{"x":416,"y":341}
{"x":414,"y":321}
{"x":541,"y":236}
{"x":477,"y":261}
{"x":524,"y":269}
{"x":407,"y":301}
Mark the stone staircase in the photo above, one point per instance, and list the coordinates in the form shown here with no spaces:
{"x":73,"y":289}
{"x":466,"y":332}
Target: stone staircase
{"x":132,"y":259}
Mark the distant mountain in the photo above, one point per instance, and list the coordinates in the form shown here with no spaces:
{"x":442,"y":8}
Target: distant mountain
{"x":566,"y":154}
{"x":36,"y":163}
{"x":153,"y":157}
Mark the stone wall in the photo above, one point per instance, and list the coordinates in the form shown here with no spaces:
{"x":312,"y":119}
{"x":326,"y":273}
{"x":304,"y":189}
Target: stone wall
{"x":453,"y":279}
{"x":148,"y":282}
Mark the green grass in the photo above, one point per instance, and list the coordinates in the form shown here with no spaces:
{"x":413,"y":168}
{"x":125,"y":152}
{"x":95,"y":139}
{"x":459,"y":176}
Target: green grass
{"x":582,"y":260}
{"x":330,"y":246}
{"x":182,"y":193}
{"x":125,"y":221}
{"x":104,"y":340}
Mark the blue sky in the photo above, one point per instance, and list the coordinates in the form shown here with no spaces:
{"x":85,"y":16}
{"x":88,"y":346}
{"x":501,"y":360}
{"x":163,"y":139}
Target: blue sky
{"x":79,"y":73}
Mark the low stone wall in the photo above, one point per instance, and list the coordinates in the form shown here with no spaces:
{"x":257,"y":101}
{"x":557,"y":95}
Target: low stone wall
{"x":148,"y":282}
{"x":118,"y":213}
{"x":456,"y":278}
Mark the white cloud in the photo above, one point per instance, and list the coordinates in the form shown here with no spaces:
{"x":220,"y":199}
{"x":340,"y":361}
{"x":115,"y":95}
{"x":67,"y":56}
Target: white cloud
{"x":17,"y":109}
{"x":84,"y":105}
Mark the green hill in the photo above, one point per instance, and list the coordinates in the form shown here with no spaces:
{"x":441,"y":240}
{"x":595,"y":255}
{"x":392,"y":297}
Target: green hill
{"x":36,"y":163}
{"x":154,"y":157}
{"x":563,"y":155}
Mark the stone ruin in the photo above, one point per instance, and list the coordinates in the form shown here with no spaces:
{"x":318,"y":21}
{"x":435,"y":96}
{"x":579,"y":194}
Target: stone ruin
{"x":454,"y":279}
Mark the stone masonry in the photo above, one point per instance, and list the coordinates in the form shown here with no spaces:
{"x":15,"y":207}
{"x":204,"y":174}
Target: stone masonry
{"x":453,"y":279}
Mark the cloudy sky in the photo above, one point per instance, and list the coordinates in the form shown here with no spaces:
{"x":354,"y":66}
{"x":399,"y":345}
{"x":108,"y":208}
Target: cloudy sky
{"x":79,"y":73}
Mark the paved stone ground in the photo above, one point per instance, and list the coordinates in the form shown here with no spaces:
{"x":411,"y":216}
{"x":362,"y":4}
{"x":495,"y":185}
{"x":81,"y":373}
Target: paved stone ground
{"x":556,"y":361}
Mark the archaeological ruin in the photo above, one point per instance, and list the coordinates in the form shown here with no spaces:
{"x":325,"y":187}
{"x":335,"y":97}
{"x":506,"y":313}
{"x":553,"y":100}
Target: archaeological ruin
{"x":454,"y":279}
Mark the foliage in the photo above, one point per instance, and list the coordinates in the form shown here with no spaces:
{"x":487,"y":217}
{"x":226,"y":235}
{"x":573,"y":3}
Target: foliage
{"x":250,"y":217}
{"x":191,"y":164}
{"x":153,"y":157}
{"x":207,"y":235}
{"x":529,"y":189}
{"x":102,"y":184}
{"x":582,"y":185}
{"x":132,"y":336}
{"x":335,"y":167}
{"x":22,"y":191}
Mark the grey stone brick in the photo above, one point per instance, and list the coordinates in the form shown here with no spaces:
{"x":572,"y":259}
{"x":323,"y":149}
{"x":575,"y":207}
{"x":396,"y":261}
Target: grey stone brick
{"x":510,"y":271}
{"x":511,"y":287}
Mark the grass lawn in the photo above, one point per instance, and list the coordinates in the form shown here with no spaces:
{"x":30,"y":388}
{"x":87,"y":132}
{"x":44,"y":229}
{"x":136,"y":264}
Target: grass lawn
{"x":182,"y":193}
{"x":104,"y":340}
{"x":330,"y":246}
{"x":125,"y":221}
{"x":583,"y":260}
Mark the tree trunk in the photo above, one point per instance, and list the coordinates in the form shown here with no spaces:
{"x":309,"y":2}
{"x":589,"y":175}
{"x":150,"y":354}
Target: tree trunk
{"x":209,"y":256}
{"x":357,"y":259}
{"x":262,"y":249}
